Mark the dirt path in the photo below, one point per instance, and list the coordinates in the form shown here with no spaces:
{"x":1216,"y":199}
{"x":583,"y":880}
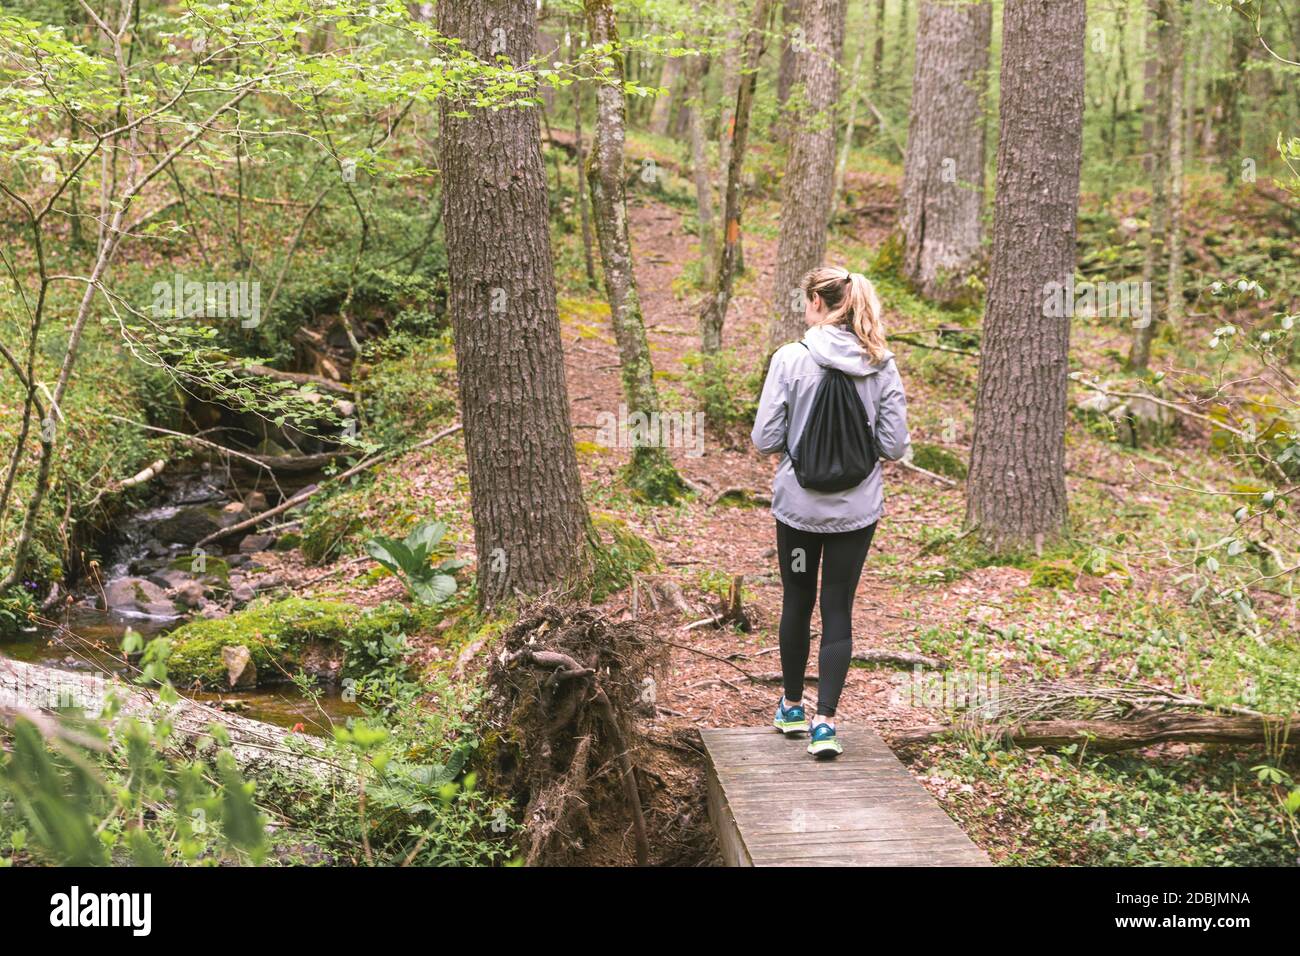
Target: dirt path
{"x":725,"y":540}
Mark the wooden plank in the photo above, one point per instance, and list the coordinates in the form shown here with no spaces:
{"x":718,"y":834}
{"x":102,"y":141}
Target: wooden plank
{"x":773,"y":805}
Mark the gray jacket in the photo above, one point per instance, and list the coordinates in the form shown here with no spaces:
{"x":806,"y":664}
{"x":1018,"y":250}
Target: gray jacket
{"x":783,"y":410}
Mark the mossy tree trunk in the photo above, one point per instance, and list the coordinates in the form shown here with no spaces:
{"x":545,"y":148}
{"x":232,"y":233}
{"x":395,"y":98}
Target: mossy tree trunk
{"x":651,"y":471}
{"x":531,"y":527}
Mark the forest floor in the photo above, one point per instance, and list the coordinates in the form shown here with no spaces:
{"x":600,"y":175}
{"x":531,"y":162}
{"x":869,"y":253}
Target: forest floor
{"x":1074,"y":613}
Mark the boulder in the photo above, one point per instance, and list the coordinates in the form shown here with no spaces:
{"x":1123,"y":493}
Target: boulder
{"x":189,"y":525}
{"x":138,"y":596}
{"x":241,"y":672}
{"x":191,"y":594}
{"x":233,"y":513}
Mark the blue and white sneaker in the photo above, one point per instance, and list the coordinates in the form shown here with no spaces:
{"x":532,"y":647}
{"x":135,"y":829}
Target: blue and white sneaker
{"x":824,"y":744}
{"x":790,"y":720}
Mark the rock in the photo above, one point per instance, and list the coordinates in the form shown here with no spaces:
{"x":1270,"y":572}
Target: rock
{"x":211,"y":610}
{"x":255,"y":502}
{"x":256,"y":542}
{"x":236,"y":560}
{"x":243,"y":593}
{"x":233,"y":513}
{"x":189,"y":525}
{"x":241,"y":672}
{"x":191,"y":594}
{"x":169,"y":578}
{"x":138,"y":596}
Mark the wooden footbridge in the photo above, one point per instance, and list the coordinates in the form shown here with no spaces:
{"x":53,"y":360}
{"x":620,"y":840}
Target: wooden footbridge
{"x":773,"y":805}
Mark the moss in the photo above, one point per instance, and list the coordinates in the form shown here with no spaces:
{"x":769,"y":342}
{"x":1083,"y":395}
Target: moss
{"x":276,"y":633}
{"x":651,"y":476}
{"x":325,"y":531}
{"x":620,"y":554}
{"x":212,"y":567}
{"x":1053,"y":574}
{"x":938,"y":460}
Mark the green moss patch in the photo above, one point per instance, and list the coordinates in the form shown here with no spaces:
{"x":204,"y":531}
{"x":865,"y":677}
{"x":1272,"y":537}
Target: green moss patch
{"x":276,"y":633}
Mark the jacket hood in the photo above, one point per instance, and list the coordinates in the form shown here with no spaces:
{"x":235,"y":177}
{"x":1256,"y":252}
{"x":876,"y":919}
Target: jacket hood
{"x":832,"y":346}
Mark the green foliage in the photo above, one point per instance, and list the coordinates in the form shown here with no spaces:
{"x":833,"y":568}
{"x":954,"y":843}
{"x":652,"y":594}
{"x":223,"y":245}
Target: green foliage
{"x":276,"y":634}
{"x":1073,"y":809}
{"x":91,"y":796}
{"x":411,"y":560}
{"x":419,"y":768}
{"x":618,"y":555}
{"x":939,"y":460}
{"x":725,"y":386}
{"x":409,"y":390}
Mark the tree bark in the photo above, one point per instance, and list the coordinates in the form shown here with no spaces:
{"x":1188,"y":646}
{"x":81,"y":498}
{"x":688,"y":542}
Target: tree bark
{"x":700,"y":173}
{"x":530,"y":522}
{"x":652,"y":470}
{"x":661,"y":112}
{"x":31,"y":690}
{"x":584,"y":217}
{"x":1016,"y":492}
{"x":943,"y":175}
{"x":1177,"y":140}
{"x":1157,"y":130}
{"x":793,"y":38}
{"x":714,"y":312}
{"x":808,"y":185}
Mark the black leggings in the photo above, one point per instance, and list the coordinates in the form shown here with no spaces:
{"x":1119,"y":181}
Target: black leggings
{"x":799,"y":553}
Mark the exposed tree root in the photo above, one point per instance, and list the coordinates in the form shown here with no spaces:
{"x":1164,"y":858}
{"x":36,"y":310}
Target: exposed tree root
{"x":566,"y":684}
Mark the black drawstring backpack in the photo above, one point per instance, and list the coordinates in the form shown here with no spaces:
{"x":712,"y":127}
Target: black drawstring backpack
{"x":836,"y":450}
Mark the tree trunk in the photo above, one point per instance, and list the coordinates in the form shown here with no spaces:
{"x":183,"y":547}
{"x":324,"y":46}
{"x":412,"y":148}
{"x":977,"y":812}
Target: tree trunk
{"x":1177,"y":140}
{"x":584,"y":217}
{"x":31,"y":690}
{"x":651,"y":471}
{"x":878,"y":58}
{"x":850,"y":122}
{"x":661,"y":112}
{"x":808,"y":185}
{"x":1227,"y":96}
{"x":1111,"y":736}
{"x":1016,"y":486}
{"x":714,"y":311}
{"x":943,"y":175}
{"x":530,"y":522}
{"x":1157,"y":129}
{"x":793,"y":38}
{"x":700,"y":173}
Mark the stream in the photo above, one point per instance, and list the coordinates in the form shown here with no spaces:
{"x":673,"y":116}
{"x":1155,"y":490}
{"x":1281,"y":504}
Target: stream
{"x":144,"y":589}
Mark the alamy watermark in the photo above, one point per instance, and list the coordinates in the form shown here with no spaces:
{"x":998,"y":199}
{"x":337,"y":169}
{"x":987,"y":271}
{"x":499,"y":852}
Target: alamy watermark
{"x":183,"y":298}
{"x":1116,"y":300}
{"x":655,"y":430}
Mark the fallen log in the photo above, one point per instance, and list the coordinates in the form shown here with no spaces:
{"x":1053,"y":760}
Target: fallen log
{"x":298,"y":378}
{"x":1110,"y":736}
{"x":306,"y":493}
{"x":38,"y":693}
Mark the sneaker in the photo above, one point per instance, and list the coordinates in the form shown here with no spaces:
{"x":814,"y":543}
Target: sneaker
{"x":824,"y":743}
{"x":790,"y":720}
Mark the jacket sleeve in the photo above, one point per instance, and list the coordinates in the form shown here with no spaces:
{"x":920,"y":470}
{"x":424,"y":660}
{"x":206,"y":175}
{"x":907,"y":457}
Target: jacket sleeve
{"x":770,"y":422}
{"x":892,"y":438}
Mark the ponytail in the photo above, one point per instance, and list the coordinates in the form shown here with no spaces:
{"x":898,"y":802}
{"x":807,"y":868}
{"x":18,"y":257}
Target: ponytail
{"x":851,"y":301}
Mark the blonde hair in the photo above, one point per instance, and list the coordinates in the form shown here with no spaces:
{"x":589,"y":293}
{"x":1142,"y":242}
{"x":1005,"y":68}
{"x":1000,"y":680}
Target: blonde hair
{"x":850,"y":301}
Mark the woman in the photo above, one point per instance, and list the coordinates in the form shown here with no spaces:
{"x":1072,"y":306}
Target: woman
{"x":833,"y":529}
